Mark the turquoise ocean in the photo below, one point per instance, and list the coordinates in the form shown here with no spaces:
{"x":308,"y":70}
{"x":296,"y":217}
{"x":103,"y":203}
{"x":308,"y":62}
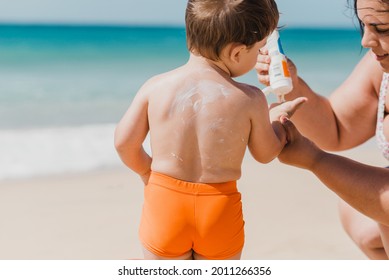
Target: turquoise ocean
{"x":63,"y":88}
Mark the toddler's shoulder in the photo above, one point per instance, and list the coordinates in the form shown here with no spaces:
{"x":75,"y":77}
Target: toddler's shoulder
{"x":252,"y":93}
{"x":158,"y":82}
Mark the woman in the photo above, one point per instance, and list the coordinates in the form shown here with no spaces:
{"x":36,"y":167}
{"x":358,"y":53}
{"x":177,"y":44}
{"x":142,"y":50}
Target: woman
{"x":354,"y":113}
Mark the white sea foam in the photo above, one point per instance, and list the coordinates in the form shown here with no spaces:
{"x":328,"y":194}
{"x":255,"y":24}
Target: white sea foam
{"x":45,"y":151}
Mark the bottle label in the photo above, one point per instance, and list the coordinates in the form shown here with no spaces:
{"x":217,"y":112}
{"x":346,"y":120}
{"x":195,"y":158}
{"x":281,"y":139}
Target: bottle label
{"x":285,"y":68}
{"x":276,"y":71}
{"x":279,"y":69}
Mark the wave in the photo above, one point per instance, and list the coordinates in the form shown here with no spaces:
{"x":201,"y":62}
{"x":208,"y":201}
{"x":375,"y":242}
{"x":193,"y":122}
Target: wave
{"x":57,"y":150}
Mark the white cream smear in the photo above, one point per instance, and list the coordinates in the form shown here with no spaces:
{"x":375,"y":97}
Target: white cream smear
{"x":197,"y":95}
{"x":194,"y":98}
{"x":177,"y":157}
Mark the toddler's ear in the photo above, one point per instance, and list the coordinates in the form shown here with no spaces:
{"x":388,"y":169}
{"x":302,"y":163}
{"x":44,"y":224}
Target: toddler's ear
{"x":235,"y":50}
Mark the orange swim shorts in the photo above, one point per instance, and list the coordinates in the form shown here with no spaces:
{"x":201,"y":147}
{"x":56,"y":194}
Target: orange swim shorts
{"x":180,"y":216}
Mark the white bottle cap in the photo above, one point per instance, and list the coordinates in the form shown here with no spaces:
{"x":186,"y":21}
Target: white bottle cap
{"x":272,"y":43}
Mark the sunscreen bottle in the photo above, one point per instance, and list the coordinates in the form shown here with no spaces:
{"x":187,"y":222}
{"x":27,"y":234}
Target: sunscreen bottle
{"x":280,"y":80}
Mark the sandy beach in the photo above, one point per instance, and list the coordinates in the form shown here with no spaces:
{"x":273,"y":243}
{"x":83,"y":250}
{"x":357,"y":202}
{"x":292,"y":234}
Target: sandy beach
{"x":289,"y":214}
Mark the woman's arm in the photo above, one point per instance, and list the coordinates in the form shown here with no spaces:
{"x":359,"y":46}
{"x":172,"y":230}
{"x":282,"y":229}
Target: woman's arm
{"x":364,"y":187}
{"x":344,"y":120}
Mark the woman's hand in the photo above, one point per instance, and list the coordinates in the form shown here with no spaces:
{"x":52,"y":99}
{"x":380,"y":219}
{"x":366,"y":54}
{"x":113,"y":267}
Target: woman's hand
{"x":299,"y":151}
{"x":263,"y":65}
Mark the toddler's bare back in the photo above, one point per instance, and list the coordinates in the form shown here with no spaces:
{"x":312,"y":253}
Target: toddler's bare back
{"x":199,"y":124}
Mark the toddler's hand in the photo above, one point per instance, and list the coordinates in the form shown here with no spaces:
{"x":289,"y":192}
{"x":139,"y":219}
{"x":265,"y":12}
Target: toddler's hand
{"x":285,"y":109}
{"x":145,"y":177}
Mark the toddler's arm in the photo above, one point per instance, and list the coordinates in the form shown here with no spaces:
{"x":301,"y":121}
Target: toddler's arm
{"x":280,"y":111}
{"x":267,"y":137}
{"x":130,"y":133}
{"x":267,"y":141}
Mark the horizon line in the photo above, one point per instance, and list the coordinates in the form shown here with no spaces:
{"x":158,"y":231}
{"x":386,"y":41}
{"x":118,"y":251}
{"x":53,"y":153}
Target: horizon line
{"x":151,"y":25}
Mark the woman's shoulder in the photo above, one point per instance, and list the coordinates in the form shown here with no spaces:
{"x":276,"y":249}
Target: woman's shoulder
{"x":369,"y":72}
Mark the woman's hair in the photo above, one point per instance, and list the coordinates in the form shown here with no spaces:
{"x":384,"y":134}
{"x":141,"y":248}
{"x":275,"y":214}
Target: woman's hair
{"x":213,"y":24}
{"x":353,"y":4}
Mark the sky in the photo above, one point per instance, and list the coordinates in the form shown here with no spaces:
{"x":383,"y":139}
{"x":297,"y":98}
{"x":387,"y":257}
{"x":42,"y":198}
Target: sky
{"x":294,"y":13}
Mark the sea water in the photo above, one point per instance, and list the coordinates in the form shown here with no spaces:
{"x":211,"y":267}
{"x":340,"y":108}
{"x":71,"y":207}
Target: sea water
{"x":64,"y":88}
